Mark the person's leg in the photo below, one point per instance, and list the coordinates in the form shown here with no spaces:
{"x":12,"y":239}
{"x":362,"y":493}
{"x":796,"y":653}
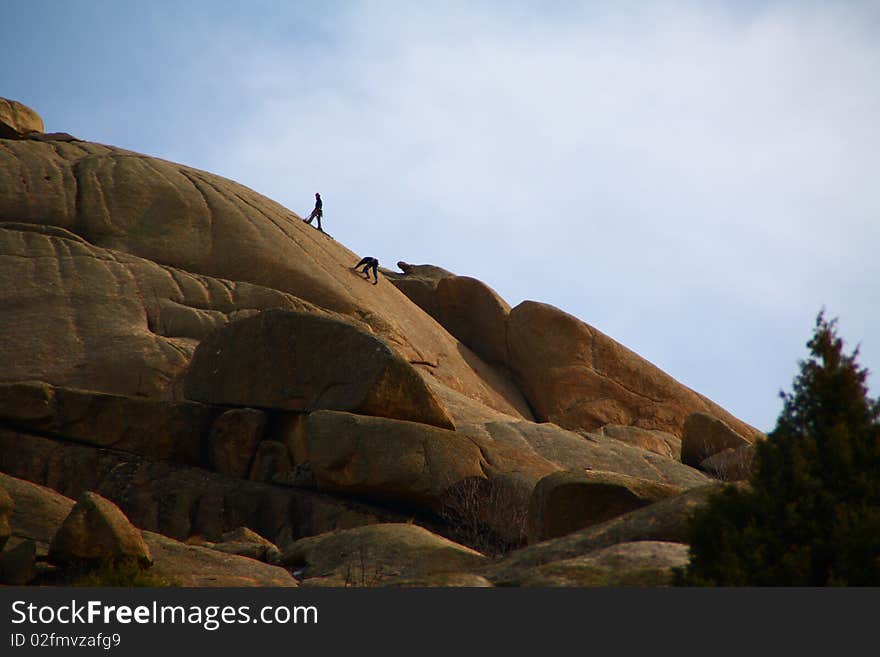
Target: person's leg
{"x":319,"y":215}
{"x":362,"y":262}
{"x":375,"y":268}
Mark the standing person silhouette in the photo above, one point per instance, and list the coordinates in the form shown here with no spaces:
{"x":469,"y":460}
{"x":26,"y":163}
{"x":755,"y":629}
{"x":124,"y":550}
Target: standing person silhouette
{"x":369,"y":263}
{"x":317,"y":213}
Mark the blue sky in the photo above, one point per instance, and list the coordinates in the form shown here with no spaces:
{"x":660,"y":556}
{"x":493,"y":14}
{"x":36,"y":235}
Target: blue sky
{"x":695,"y":179}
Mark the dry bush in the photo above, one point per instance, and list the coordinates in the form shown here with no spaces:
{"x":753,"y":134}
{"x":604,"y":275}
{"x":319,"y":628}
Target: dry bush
{"x":486,"y":515}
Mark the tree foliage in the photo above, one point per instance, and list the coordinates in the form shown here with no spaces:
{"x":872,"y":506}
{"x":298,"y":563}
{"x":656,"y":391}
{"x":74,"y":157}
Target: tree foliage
{"x":811,"y":513}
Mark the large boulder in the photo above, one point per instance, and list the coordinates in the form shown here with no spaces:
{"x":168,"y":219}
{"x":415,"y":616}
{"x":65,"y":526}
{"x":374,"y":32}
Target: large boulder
{"x":302,"y":362}
{"x":568,"y":450}
{"x":368,"y":556}
{"x":564,"y":502}
{"x":419,"y":283}
{"x":731,"y":464}
{"x":196,"y":566}
{"x":467,"y":308}
{"x":389,"y":460}
{"x":579,"y":378}
{"x":17,"y":120}
{"x":475,"y":314}
{"x":150,"y":427}
{"x":247,"y":543}
{"x":97,"y":530}
{"x":37,"y":511}
{"x":667,"y":520}
{"x":705,"y":435}
{"x":638,"y":563}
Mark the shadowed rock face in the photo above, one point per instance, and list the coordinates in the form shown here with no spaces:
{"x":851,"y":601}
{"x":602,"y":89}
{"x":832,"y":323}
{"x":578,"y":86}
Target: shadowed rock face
{"x":564,"y":502}
{"x":301,"y":362}
{"x":42,"y":512}
{"x":663,"y":521}
{"x":467,"y":308}
{"x":475,"y":314}
{"x":705,"y":436}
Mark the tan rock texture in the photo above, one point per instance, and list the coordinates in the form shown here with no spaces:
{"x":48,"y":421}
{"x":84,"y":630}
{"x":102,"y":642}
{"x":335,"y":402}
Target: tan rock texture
{"x":368,"y":556}
{"x":564,"y":502}
{"x":195,"y":566}
{"x":178,"y":218}
{"x":705,"y":435}
{"x":659,"y":442}
{"x":419,"y":283}
{"x":95,"y":530}
{"x":386,"y":459}
{"x":639,"y":563}
{"x":567,"y":450}
{"x":247,"y":543}
{"x":17,"y":119}
{"x":154,"y":428}
{"x":579,"y":378}
{"x":79,"y":316}
{"x":467,"y":308}
{"x":37,"y":511}
{"x":666,"y":520}
{"x":303,"y":362}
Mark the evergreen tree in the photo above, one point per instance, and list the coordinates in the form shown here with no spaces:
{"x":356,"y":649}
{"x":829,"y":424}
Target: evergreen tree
{"x":811,"y":514}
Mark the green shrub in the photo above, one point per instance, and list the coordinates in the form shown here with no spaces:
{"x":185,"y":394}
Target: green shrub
{"x":811,"y":515}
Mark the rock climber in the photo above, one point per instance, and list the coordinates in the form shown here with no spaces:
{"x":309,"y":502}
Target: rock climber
{"x":317,"y":213}
{"x":368,"y":263}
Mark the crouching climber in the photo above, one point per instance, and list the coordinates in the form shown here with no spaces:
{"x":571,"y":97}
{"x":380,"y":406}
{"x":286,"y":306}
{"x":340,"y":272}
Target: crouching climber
{"x":368,"y":263}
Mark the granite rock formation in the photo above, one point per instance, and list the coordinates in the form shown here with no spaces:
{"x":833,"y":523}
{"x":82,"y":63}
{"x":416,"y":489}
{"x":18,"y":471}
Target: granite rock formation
{"x":186,"y":354}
